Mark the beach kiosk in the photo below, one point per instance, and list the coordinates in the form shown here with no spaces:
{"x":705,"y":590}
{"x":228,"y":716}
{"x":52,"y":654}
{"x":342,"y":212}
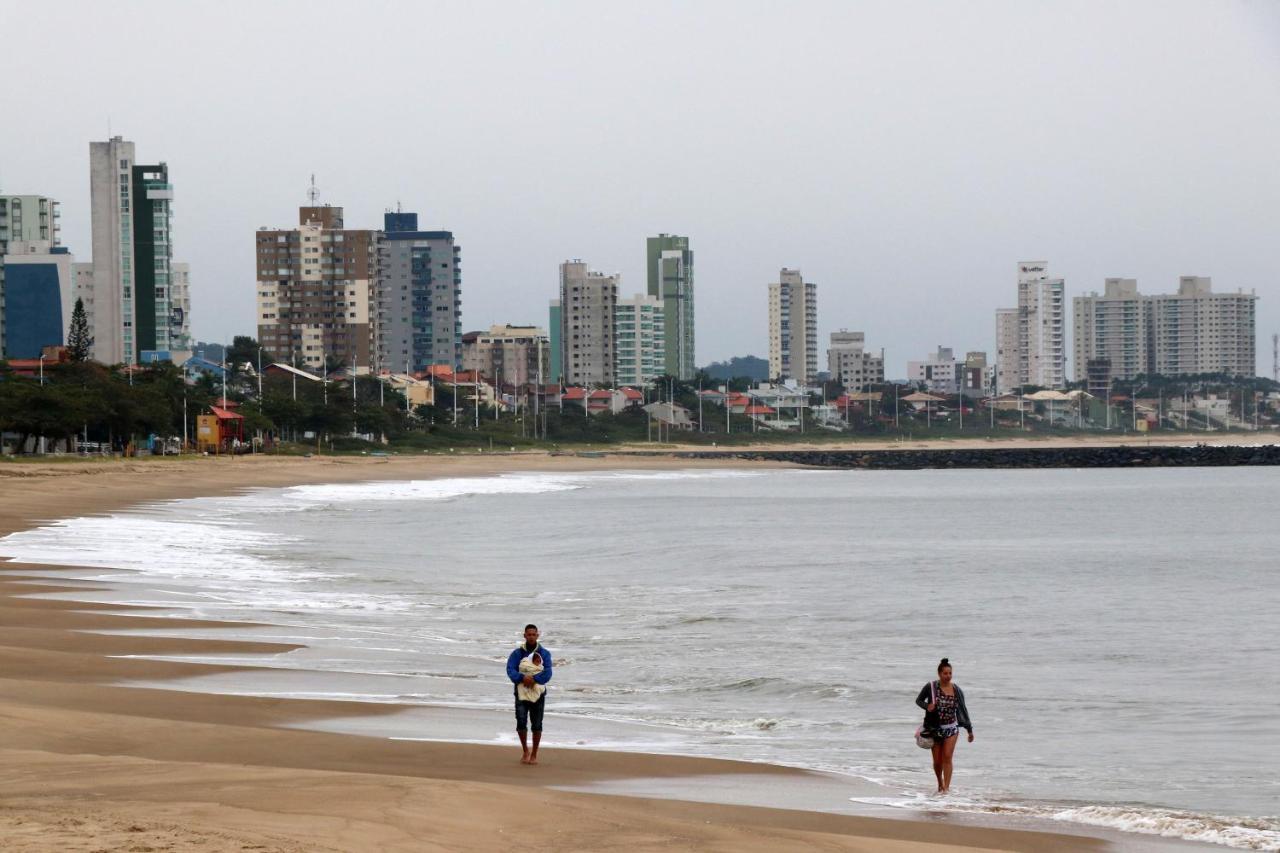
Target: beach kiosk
{"x":216,"y":431}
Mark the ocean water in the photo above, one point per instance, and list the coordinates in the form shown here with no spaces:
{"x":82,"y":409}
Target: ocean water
{"x":1115,"y":631}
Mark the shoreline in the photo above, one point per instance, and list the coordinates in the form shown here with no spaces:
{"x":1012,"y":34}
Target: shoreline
{"x":57,"y":691}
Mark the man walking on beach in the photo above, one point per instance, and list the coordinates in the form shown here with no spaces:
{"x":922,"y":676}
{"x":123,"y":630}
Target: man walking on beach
{"x":529,"y":713}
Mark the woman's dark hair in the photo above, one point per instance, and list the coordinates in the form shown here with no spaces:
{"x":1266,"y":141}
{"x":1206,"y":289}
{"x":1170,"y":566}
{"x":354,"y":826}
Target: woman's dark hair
{"x":943,"y":664}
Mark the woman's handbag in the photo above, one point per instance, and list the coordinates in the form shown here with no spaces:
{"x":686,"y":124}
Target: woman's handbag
{"x":924,"y":739}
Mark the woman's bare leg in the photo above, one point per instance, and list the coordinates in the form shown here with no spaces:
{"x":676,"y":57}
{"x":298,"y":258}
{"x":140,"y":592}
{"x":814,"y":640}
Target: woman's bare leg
{"x":938,"y":751}
{"x":948,"y":750}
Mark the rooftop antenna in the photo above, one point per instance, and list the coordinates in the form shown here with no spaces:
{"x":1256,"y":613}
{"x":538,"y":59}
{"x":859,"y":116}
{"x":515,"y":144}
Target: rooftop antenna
{"x":313,"y":192}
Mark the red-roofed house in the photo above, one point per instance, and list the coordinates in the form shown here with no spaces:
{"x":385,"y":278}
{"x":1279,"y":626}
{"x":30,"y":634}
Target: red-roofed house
{"x":32,"y":367}
{"x":603,"y":400}
{"x":438,"y":372}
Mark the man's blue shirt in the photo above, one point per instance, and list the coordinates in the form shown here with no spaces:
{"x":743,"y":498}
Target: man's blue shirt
{"x":518,"y":654}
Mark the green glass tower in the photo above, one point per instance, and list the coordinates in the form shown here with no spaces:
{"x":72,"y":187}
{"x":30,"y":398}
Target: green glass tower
{"x":670,"y":266}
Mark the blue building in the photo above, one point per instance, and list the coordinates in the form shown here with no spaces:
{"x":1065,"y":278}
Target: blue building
{"x":37,"y":297}
{"x":198,"y":364}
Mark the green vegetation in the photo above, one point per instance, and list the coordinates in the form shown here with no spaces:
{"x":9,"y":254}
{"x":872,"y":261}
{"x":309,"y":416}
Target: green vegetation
{"x":113,"y":408}
{"x":79,"y":341}
{"x":746,"y":367}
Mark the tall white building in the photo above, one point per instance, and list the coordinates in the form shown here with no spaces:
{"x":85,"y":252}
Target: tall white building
{"x":1007,"y":368}
{"x":793,"y":327}
{"x":180,"y":309}
{"x":588,"y":303}
{"x":1112,"y":326}
{"x":131,"y":208}
{"x":640,"y":328}
{"x":1172,"y":334}
{"x":1198,"y":331}
{"x":1031,"y":339}
{"x":851,"y":364}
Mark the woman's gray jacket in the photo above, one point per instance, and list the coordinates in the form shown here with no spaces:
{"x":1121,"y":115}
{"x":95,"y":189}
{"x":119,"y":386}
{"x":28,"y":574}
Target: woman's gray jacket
{"x":931,"y":717}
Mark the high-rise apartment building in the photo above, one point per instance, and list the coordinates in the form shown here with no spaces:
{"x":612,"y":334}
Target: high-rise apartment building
{"x":418,"y":296}
{"x":1112,"y":326}
{"x":1007,"y":368}
{"x":315,"y":283}
{"x":851,"y":365}
{"x":670,"y":268}
{"x":132,"y":215}
{"x":1198,"y":331}
{"x":180,"y":308}
{"x":793,"y":327}
{"x":588,"y":302}
{"x":1031,"y":343}
{"x":640,"y":327}
{"x":509,"y":355}
{"x":27,"y":219}
{"x":1192,"y":331}
{"x":556,"y":373}
{"x":30,"y":217}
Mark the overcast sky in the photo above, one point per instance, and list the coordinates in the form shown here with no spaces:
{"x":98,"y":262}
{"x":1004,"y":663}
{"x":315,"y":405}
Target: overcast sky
{"x":903,"y":155}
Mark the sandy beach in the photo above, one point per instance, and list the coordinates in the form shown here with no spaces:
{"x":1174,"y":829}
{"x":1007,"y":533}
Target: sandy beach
{"x":96,"y":766}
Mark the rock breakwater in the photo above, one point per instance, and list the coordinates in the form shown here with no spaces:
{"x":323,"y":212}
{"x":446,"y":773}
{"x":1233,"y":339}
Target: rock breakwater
{"x":1011,"y":457}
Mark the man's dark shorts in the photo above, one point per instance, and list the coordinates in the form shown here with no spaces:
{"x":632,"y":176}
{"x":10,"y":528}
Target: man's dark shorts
{"x":529,"y":714}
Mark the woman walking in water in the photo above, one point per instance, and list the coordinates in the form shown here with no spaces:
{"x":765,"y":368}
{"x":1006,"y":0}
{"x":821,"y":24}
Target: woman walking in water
{"x":944,"y":715}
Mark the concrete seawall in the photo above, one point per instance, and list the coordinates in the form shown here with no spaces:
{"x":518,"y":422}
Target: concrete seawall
{"x":1055,"y":457}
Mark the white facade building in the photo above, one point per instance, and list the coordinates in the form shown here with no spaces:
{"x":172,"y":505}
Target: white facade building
{"x":1111,"y":326}
{"x":640,"y":327}
{"x":1192,"y":331}
{"x":508,"y":355}
{"x":1007,"y":371}
{"x":588,"y":303}
{"x":793,"y":328}
{"x":180,"y":309}
{"x":1198,"y":331}
{"x":940,"y":372}
{"x":111,"y":290}
{"x":131,"y":212}
{"x":1031,"y":341}
{"x":850,"y":364}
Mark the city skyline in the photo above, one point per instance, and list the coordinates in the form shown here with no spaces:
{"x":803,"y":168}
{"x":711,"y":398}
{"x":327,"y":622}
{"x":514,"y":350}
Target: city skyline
{"x":869,"y":199}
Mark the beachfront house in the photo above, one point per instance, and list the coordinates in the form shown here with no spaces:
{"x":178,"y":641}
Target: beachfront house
{"x":602,"y":400}
{"x":785,"y":402}
{"x":671,"y":415}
